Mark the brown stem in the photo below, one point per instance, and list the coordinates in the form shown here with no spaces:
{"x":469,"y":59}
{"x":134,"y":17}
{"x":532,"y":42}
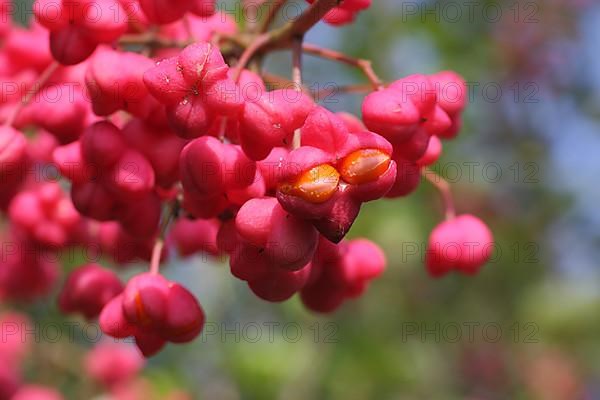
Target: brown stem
{"x":283,"y":36}
{"x":41,"y":81}
{"x":153,"y":40}
{"x":273,"y":8}
{"x":443,"y":188}
{"x":276,"y":80}
{"x":297,"y":62}
{"x":333,"y":90}
{"x":249,"y":53}
{"x":364,"y":65}
{"x":297,"y":78}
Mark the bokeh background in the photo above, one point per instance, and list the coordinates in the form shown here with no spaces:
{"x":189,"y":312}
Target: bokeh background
{"x":527,"y":162}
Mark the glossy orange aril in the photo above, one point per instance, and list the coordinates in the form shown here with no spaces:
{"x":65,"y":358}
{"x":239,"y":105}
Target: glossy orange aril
{"x":364,"y":166}
{"x":316,"y":185}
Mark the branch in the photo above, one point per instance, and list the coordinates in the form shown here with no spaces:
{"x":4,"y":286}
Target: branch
{"x":297,"y":78}
{"x":298,"y":27}
{"x":364,"y":65}
{"x":153,"y":40}
{"x":334,"y":90}
{"x":297,"y":63}
{"x":248,"y":54}
{"x":272,"y":10}
{"x":284,"y":36}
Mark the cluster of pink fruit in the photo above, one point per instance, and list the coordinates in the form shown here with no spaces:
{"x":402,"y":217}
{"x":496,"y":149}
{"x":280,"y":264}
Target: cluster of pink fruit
{"x":160,"y":129}
{"x":114,"y":367}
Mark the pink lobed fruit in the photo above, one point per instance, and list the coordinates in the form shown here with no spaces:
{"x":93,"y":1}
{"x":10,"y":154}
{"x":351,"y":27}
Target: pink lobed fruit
{"x":122,"y":88}
{"x":36,"y":392}
{"x":432,"y":154}
{"x":270,"y":121}
{"x":88,"y":289}
{"x":113,"y":364}
{"x":463,"y":243}
{"x":76,"y":29}
{"x":194,"y":236}
{"x":196,"y":88}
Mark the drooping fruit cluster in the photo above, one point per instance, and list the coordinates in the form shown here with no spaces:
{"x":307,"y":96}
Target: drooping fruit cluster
{"x":171,"y":140}
{"x":413,"y":113}
{"x":45,"y":215}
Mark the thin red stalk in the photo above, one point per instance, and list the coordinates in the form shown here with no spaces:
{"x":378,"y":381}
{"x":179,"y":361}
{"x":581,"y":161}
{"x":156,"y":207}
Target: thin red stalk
{"x":364,"y":65}
{"x":329,"y":91}
{"x":156,"y":254}
{"x":444,"y":189}
{"x":159,"y":244}
{"x":297,"y":78}
{"x":248,"y":54}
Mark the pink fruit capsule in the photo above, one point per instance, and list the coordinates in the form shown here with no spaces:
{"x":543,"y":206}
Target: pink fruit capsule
{"x":123,"y":88}
{"x":432,"y":154}
{"x":271,"y":120}
{"x":113,"y":364}
{"x":102,"y":144}
{"x":140,"y":218}
{"x":149,"y":343}
{"x":159,"y":145}
{"x":254,"y":220}
{"x":71,"y":164}
{"x":113,"y":321}
{"x":36,"y":392}
{"x":145,"y":300}
{"x":12,"y":147}
{"x":279,"y":284}
{"x":324,"y":130}
{"x":408,"y":178}
{"x":193,"y":236}
{"x":184,"y":316}
{"x":132,"y":177}
{"x":88,"y":289}
{"x":463,"y":243}
{"x":391,"y":114}
{"x":363,"y":261}
{"x":322,"y":297}
{"x":92,"y":199}
{"x":292,"y":241}
{"x":248,"y":261}
{"x":163,"y":11}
